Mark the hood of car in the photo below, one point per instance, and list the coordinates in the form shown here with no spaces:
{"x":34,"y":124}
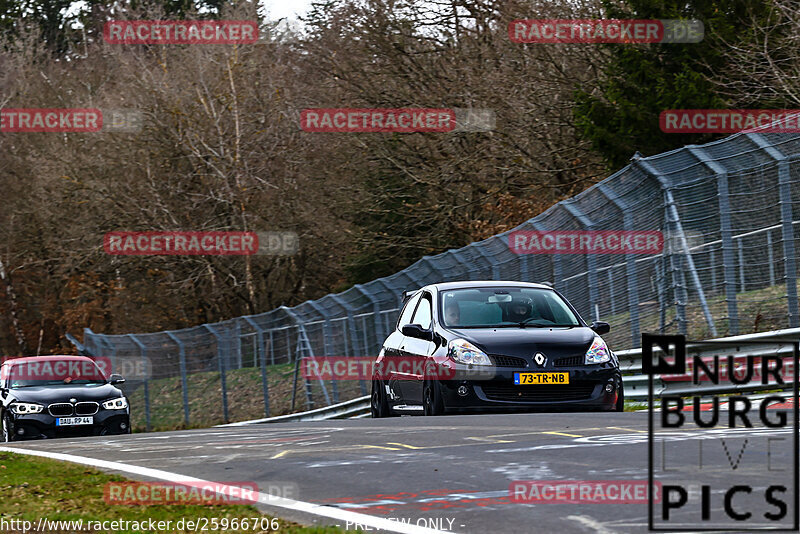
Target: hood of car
{"x":79,"y":392}
{"x":526,"y":342}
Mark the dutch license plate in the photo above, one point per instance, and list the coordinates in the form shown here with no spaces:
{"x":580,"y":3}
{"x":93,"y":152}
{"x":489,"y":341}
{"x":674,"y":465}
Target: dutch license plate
{"x":522,"y":379}
{"x":74,"y":421}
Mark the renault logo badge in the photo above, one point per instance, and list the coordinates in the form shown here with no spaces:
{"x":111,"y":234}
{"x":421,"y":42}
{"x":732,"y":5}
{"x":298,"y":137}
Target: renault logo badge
{"x":540,"y":359}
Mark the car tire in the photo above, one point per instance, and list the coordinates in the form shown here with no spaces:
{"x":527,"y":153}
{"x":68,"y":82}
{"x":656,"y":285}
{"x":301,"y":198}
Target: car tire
{"x":620,"y":406}
{"x":378,"y":405}
{"x":8,"y":436}
{"x":432,"y":401}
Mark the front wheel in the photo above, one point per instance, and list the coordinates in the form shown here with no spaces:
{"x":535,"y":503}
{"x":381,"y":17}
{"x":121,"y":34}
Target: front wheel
{"x":432,"y":400}
{"x":378,"y":405}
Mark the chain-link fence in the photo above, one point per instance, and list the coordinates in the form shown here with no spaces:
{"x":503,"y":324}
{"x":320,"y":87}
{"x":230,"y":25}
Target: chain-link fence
{"x":729,"y":266}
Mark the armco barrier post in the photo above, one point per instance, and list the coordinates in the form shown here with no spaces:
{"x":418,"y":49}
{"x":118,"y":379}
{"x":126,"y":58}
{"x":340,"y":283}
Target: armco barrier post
{"x":787,"y":232}
{"x":261,"y":352}
{"x":143,"y":354}
{"x":221,"y":366}
{"x":184,"y":387}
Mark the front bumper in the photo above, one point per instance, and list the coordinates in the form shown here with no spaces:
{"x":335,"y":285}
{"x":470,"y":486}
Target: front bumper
{"x":43,"y":425}
{"x":586,"y":391}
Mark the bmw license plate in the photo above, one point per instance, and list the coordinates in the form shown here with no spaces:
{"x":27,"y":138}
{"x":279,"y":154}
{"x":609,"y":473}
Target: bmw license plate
{"x":74,"y":421}
{"x":521,"y":379}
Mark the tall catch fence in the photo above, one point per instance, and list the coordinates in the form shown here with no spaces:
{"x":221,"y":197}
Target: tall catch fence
{"x":729,"y":214}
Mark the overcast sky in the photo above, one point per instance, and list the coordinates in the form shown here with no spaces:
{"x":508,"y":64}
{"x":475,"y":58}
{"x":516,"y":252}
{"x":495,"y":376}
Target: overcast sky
{"x":286,"y":8}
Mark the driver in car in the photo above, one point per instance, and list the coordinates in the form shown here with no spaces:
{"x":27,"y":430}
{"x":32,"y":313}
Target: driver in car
{"x":518,"y":311}
{"x":452,"y":313}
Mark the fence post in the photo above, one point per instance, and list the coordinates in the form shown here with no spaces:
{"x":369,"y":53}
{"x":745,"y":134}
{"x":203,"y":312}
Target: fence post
{"x":787,"y":232}
{"x":556,"y":259}
{"x":726,"y":231}
{"x":326,"y":333}
{"x":143,"y":354}
{"x":493,"y":265}
{"x":263,"y":360}
{"x":630,"y":264}
{"x":182,"y":356}
{"x":591,"y":259}
{"x":376,"y":310}
{"x":221,"y":366}
{"x":770,"y":258}
{"x":302,"y":338}
{"x":662,"y":308}
{"x":351,"y":328}
{"x":671,"y":214}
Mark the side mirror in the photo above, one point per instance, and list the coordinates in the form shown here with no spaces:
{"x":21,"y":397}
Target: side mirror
{"x":416,"y":331}
{"x":116,"y":379}
{"x":600,"y":327}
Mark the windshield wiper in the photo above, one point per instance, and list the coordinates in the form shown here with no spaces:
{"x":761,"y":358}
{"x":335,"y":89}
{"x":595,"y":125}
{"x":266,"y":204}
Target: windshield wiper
{"x":528,"y":322}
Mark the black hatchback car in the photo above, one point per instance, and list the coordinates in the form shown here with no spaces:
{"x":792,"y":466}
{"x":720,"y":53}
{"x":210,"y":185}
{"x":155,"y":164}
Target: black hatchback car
{"x":493,"y":346}
{"x":60,"y":396}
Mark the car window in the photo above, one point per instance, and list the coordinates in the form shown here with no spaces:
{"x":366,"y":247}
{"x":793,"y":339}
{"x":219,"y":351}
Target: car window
{"x":422,"y":316}
{"x":505,"y":306}
{"x":408,"y":311}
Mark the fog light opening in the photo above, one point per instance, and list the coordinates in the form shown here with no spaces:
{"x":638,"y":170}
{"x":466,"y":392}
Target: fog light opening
{"x":462,"y":390}
{"x":20,"y":431}
{"x":609,"y":387}
{"x":123,"y":426}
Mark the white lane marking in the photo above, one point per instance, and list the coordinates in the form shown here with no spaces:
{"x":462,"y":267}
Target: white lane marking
{"x":353,"y":518}
{"x":591,"y":523}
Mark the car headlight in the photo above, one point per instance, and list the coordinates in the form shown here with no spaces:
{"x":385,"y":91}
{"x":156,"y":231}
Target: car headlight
{"x":598,"y":352}
{"x":24,"y":408}
{"x":462,"y":351}
{"x":116,"y":404}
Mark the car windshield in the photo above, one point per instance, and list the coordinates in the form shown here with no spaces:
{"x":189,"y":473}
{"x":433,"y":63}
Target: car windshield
{"x":489,"y":307}
{"x":32,"y":373}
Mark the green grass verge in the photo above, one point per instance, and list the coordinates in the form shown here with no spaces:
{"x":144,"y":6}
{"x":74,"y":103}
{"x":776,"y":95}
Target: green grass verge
{"x":245,"y":397}
{"x":34,"y":488}
{"x":759,"y":310}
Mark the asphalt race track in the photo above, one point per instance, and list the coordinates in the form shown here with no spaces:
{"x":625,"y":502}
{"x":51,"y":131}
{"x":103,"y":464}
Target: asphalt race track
{"x":451,"y":473}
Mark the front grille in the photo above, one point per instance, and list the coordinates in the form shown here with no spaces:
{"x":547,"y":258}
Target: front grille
{"x":61,"y":409}
{"x":86,"y":408}
{"x":538,"y":393}
{"x":572,"y":361}
{"x":508,"y":361}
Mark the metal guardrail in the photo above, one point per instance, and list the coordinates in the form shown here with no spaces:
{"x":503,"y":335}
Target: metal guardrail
{"x":636,"y":383}
{"x":355,"y":408}
{"x":630,"y":362}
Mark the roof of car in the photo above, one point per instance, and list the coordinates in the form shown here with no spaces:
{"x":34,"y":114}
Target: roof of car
{"x":62,"y":357}
{"x":486,"y":283}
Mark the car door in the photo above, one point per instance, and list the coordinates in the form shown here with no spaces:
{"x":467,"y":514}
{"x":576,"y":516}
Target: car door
{"x":414,"y":353}
{"x":391,"y":352}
